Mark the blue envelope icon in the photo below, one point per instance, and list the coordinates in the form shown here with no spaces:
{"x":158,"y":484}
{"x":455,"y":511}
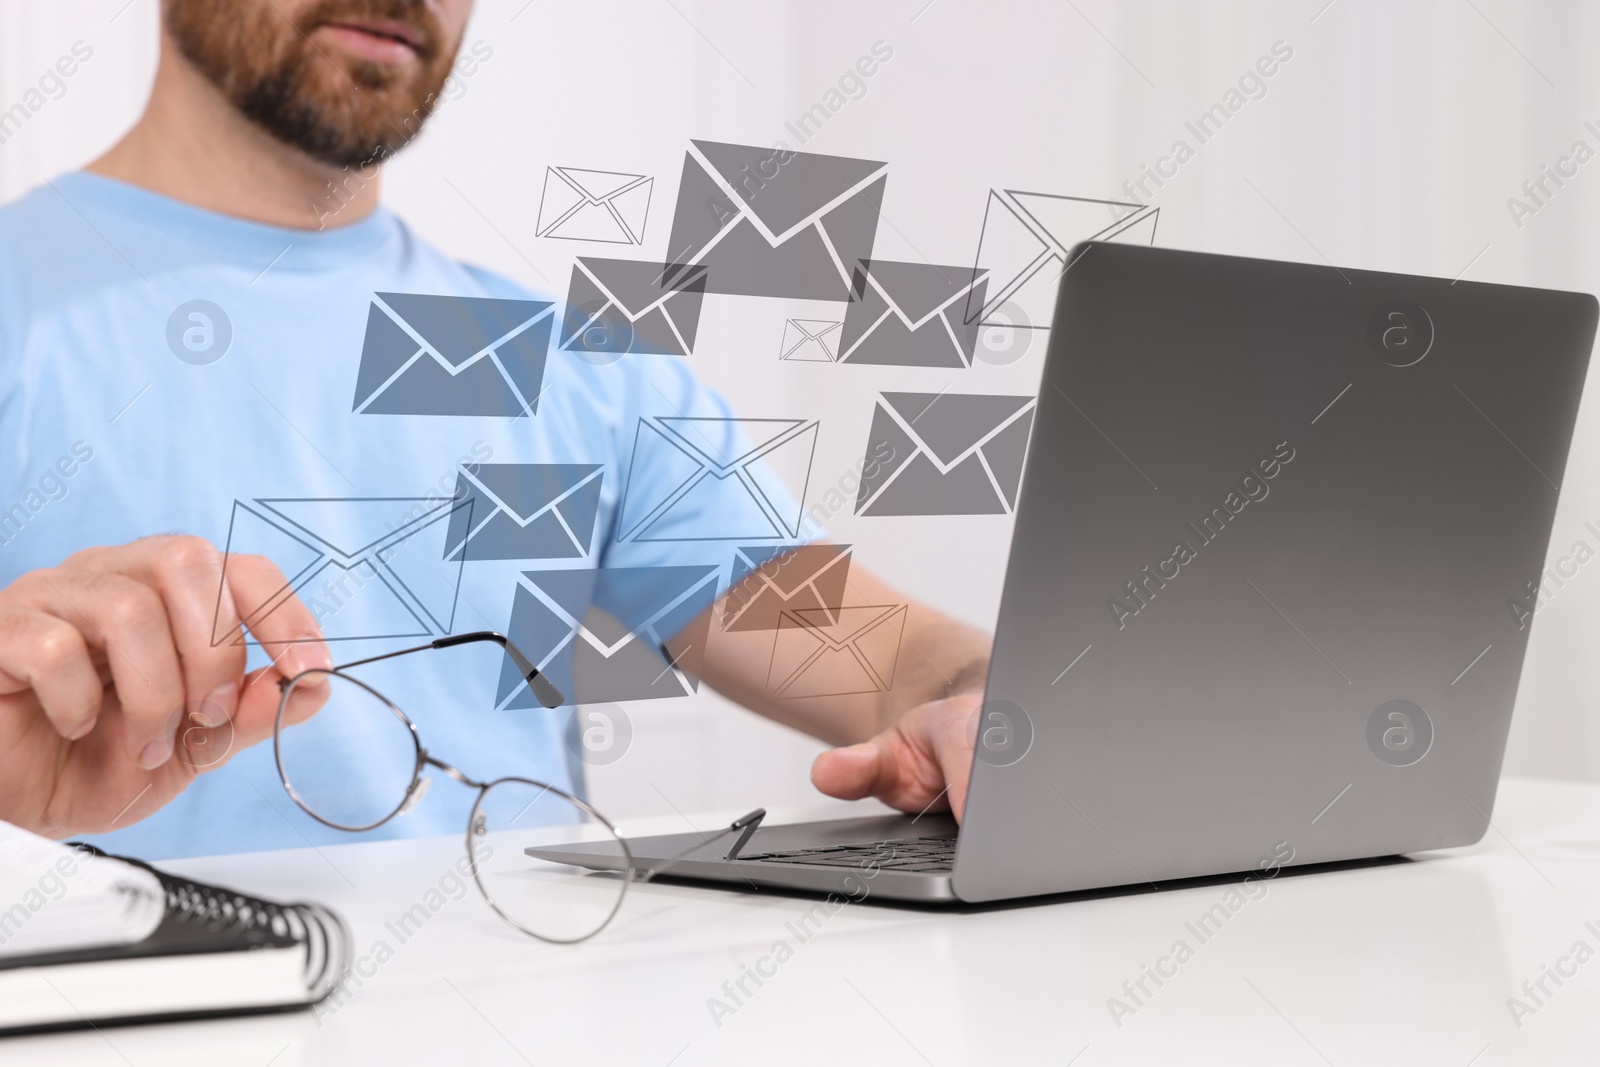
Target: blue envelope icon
{"x":600,"y":635}
{"x":525,"y":511}
{"x":368,"y":568}
{"x":452,"y":355}
{"x":716,"y":479}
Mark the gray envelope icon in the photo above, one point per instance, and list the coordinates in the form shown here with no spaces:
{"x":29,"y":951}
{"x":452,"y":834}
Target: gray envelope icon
{"x":765,"y":222}
{"x":600,"y":635}
{"x":627,"y":305}
{"x":951,"y":454}
{"x":910,"y":315}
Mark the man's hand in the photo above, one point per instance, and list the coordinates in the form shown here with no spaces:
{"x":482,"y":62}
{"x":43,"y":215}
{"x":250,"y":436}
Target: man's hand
{"x":121,"y":679}
{"x":921,"y":763}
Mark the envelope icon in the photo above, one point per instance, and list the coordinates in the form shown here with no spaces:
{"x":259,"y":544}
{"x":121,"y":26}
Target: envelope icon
{"x":716,"y":479}
{"x":624,"y":305}
{"x":767,"y":581}
{"x":854,"y":653}
{"x":600,"y":635}
{"x":810,"y":340}
{"x":524,"y":511}
{"x":368,"y":568}
{"x":945,"y":454}
{"x":770,"y":222}
{"x":911,"y":315}
{"x":594,"y":205}
{"x":1026,"y":243}
{"x":452,"y":355}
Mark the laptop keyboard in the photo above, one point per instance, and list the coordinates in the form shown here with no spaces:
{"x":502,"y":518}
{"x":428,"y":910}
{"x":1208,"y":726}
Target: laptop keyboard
{"x":935,"y":855}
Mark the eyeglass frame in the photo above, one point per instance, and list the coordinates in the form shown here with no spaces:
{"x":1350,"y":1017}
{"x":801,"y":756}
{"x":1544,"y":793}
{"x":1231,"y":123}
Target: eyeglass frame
{"x":548,"y":696}
{"x":544,"y":691}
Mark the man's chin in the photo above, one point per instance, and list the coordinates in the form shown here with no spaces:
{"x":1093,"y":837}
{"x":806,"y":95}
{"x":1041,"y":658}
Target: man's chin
{"x":334,"y":122}
{"x":355,"y":88}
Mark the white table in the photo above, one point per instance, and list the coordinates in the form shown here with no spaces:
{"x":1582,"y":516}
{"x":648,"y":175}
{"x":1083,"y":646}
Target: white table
{"x":1409,"y":963}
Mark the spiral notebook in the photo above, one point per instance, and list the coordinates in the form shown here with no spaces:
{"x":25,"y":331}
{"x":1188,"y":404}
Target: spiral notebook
{"x":160,"y":948}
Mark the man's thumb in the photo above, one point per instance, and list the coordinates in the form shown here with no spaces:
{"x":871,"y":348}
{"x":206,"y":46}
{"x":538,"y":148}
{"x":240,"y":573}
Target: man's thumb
{"x":848,"y":773}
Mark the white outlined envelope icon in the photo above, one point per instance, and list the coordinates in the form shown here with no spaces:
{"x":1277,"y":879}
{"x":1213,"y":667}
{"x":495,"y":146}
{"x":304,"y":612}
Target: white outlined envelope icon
{"x":822,"y":654}
{"x":717,"y":479}
{"x":948,"y":454}
{"x":600,"y":635}
{"x":367,"y":568}
{"x":525,"y":511}
{"x":1025,"y":245}
{"x":811,"y":340}
{"x":453,"y":355}
{"x":594,"y":205}
{"x":770,"y":222}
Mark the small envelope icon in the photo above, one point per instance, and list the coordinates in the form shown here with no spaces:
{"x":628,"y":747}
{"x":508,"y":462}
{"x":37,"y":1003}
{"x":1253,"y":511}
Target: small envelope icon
{"x":452,"y":355}
{"x":524,"y":511}
{"x":945,"y":454}
{"x":770,"y":222}
{"x":767,"y":581}
{"x":911,"y":315}
{"x":594,"y":205}
{"x":810,"y":340}
{"x":600,"y":635}
{"x":624,"y":305}
{"x":853,"y":651}
{"x":1027,"y":241}
{"x":716,"y":479}
{"x":368,"y":568}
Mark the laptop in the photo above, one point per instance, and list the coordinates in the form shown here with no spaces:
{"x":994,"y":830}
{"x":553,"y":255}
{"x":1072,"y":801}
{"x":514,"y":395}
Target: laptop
{"x":1277,"y":546}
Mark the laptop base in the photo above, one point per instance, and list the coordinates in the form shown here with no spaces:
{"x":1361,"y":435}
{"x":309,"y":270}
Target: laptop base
{"x":895,"y":840}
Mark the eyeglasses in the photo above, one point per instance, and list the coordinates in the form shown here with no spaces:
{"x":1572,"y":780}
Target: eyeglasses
{"x":512,"y":822}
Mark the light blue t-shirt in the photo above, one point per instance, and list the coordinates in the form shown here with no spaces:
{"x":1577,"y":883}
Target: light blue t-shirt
{"x":119,"y":422}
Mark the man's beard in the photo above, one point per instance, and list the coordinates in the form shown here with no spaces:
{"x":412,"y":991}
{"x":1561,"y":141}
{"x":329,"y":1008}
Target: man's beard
{"x":342,"y":111}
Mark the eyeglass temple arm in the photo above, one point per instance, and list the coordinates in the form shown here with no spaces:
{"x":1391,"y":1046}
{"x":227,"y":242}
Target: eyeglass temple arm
{"x":542,"y":687}
{"x":745,"y":823}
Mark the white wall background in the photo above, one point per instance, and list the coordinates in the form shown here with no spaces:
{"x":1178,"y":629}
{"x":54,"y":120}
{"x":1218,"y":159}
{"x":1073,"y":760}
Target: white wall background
{"x":1390,"y":141}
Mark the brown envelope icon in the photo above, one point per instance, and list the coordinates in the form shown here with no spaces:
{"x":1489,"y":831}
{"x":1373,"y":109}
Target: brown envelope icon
{"x":810,"y":577}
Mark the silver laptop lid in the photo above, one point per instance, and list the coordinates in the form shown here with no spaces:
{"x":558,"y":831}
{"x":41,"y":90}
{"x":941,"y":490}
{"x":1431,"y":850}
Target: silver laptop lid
{"x":1263,"y":597}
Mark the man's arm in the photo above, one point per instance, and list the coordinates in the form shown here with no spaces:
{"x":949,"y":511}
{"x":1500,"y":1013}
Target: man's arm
{"x":910,"y":746}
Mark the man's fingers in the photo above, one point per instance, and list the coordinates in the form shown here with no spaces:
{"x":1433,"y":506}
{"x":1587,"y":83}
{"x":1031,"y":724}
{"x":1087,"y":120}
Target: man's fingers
{"x":187,"y":572}
{"x":955,"y":759}
{"x":126,"y":621}
{"x":276,"y":617}
{"x":921,"y":763}
{"x":49,"y":656}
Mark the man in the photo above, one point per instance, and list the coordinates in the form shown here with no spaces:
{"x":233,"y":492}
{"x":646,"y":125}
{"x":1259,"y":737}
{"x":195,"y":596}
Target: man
{"x":131,"y":411}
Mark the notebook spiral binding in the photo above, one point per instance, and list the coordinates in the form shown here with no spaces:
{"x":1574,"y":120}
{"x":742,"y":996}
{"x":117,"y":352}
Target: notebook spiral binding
{"x":219,"y":910}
